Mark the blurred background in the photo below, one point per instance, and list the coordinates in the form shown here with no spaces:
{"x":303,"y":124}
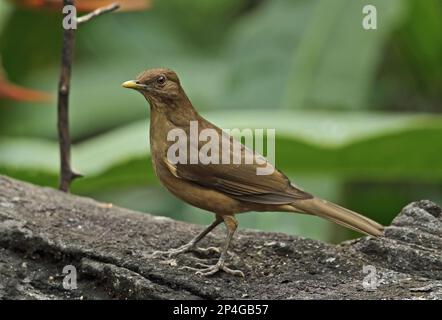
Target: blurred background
{"x":357,"y":113}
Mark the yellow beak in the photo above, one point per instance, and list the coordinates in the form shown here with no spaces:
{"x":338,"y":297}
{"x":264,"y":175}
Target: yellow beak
{"x":132,"y":84}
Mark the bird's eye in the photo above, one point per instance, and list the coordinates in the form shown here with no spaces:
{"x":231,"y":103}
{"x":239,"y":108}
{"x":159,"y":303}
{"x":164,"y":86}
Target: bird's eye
{"x":161,"y":80}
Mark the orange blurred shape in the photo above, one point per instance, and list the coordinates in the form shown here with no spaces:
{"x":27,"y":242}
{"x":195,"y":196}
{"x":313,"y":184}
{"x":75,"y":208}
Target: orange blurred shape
{"x":12,"y":92}
{"x":86,"y":5}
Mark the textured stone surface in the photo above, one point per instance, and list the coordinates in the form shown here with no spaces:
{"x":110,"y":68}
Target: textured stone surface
{"x":43,"y":230}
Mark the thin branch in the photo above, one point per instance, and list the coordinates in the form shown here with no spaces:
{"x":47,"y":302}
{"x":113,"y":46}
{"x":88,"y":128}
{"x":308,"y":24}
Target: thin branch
{"x":97,"y":12}
{"x":67,"y":175}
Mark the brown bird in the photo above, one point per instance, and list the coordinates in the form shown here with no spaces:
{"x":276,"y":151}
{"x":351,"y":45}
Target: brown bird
{"x":224,"y":189}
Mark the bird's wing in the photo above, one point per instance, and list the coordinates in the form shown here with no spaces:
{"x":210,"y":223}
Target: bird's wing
{"x":241,"y":181}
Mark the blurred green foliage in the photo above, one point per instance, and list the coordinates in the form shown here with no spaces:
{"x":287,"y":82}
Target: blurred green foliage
{"x":336,"y":94}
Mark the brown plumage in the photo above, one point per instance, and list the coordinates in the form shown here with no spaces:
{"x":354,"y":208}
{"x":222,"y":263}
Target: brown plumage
{"x":224,"y":189}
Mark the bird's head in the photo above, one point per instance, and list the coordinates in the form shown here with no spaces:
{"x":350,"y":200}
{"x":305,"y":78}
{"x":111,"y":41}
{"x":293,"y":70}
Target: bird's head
{"x":157,"y":85}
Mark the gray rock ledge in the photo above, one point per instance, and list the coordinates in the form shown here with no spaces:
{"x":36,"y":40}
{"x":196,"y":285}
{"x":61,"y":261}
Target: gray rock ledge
{"x":42,"y":230}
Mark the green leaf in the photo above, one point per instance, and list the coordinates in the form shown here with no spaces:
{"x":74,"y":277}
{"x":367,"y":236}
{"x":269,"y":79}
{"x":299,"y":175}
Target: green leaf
{"x":307,"y":54}
{"x":5,"y":9}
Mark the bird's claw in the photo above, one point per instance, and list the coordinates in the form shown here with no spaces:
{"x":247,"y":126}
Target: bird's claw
{"x":183,"y":249}
{"x":172,"y":252}
{"x":211,"y":270}
{"x":206,"y":250}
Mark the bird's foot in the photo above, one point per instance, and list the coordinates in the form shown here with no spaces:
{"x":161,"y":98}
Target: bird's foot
{"x":183,"y":249}
{"x":211,"y":270}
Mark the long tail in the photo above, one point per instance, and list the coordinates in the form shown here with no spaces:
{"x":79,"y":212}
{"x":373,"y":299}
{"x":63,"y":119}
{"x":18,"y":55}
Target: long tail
{"x":339,"y":215}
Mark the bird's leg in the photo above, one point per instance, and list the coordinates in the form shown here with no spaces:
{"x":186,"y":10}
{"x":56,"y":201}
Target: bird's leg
{"x":191,"y":246}
{"x":231,"y":225}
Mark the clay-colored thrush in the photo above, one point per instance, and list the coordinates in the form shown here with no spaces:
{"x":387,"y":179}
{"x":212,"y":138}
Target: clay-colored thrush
{"x":224,"y":189}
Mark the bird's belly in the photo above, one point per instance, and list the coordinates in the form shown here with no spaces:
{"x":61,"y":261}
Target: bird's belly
{"x":206,"y":199}
{"x":197,"y":196}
